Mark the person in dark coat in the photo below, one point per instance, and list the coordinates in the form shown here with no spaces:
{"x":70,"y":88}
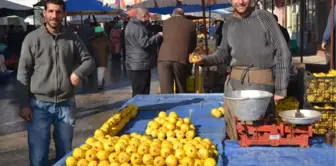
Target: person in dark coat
{"x":284,"y":31}
{"x":173,"y":61}
{"x":139,"y":47}
{"x":218,"y":32}
{"x":85,"y":32}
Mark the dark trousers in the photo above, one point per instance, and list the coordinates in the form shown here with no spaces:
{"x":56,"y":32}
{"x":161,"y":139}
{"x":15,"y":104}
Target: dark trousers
{"x":140,"y":81}
{"x":169,"y":71}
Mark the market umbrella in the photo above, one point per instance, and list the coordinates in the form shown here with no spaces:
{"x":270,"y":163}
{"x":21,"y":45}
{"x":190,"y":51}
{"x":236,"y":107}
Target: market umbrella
{"x":88,"y":7}
{"x":8,"y":8}
{"x":159,"y":4}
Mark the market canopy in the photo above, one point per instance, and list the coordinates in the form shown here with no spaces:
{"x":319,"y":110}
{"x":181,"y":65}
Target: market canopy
{"x":188,"y":8}
{"x":8,"y":8}
{"x":86,"y":7}
{"x":167,"y":6}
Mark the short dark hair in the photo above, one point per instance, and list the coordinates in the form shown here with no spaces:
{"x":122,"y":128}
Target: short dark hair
{"x":56,"y":2}
{"x":276,"y":17}
{"x":178,"y":12}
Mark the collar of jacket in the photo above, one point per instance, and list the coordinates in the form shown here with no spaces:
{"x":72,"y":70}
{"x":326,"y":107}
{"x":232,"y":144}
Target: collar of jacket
{"x":62,"y":30}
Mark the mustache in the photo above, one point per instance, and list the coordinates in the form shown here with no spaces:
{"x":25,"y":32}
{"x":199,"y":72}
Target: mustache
{"x":53,"y":19}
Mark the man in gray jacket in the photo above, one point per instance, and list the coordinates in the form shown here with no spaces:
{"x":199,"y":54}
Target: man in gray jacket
{"x":46,"y":83}
{"x":139,"y":45}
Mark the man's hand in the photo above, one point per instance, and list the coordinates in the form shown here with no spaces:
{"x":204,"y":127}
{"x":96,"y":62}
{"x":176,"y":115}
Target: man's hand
{"x":160,"y":33}
{"x":26,"y":114}
{"x":74,"y":79}
{"x":324,"y":46}
{"x":198,"y":60}
{"x":277,"y":99}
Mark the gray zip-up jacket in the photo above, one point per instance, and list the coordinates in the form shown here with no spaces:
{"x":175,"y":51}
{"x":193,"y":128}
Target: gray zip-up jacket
{"x":46,"y":64}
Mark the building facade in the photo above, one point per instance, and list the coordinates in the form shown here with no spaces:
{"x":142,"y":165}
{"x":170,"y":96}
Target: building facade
{"x":315,"y":16}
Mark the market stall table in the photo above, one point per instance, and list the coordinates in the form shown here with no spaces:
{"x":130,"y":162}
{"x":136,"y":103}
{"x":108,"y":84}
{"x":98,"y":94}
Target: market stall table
{"x":198,"y":106}
{"x":207,"y":126}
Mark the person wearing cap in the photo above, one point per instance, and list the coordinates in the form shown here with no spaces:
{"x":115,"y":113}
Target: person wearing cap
{"x":100,"y":50}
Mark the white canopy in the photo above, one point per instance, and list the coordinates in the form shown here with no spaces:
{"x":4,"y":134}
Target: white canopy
{"x":5,"y":4}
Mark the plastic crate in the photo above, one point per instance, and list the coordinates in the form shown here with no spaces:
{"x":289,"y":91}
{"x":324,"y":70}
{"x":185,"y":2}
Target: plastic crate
{"x":319,"y":89}
{"x":328,"y":118}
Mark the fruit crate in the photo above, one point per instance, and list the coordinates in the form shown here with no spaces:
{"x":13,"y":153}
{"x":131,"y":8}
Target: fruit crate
{"x":328,"y":118}
{"x":319,"y":89}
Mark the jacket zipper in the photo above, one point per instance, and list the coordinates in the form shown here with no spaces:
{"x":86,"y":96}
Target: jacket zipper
{"x":56,"y":69}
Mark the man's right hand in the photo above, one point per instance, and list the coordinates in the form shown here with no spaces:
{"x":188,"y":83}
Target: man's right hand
{"x":324,"y":46}
{"x":198,"y":60}
{"x":26,"y":114}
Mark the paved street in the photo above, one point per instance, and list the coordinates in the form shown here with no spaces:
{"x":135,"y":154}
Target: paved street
{"x":94,"y":107}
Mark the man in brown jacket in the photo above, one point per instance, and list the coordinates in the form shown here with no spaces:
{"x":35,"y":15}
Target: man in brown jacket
{"x":100,"y":50}
{"x":179,"y":40}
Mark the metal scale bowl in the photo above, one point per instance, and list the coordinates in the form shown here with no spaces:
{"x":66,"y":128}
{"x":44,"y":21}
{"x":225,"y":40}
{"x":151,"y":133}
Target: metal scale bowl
{"x":309,"y":117}
{"x":251,"y":105}
{"x":248,"y":105}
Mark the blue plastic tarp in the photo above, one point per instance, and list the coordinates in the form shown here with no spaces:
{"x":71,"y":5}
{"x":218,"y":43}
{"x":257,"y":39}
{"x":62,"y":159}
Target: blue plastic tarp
{"x":319,"y":154}
{"x":187,"y":8}
{"x":86,"y":5}
{"x":199,"y":105}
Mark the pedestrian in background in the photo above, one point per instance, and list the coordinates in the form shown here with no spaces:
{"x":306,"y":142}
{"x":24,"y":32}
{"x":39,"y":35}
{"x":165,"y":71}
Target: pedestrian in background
{"x":46,"y":83}
{"x":327,"y":37}
{"x":139,"y":47}
{"x":100,"y":51}
{"x":173,"y":61}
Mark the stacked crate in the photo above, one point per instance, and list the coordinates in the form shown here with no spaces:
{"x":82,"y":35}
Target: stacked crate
{"x":320,"y":94}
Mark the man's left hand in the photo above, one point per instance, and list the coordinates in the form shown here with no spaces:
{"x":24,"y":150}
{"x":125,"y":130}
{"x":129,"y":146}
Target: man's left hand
{"x":324,"y":45}
{"x":277,"y":99}
{"x":74,"y":79}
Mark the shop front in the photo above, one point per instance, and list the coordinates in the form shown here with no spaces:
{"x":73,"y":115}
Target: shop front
{"x":315,"y":15}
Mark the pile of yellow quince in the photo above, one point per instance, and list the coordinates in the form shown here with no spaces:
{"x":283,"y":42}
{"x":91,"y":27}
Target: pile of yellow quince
{"x":117,"y":122}
{"x":164,"y":126}
{"x":217,"y":112}
{"x":331,"y":73}
{"x":324,"y":107}
{"x":327,"y":120}
{"x":135,"y":149}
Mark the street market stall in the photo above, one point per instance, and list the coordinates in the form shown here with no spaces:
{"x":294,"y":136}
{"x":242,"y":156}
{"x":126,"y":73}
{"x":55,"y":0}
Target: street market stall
{"x":200,"y":109}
